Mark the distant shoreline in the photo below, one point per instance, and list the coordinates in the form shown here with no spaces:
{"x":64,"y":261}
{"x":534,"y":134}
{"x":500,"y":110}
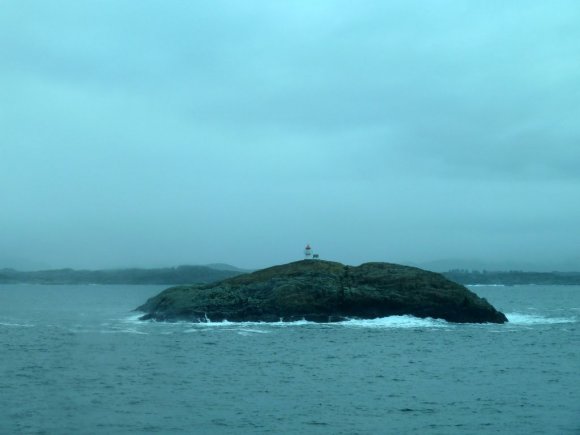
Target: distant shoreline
{"x":511,"y":278}
{"x":207,"y":274}
{"x":161,"y":276}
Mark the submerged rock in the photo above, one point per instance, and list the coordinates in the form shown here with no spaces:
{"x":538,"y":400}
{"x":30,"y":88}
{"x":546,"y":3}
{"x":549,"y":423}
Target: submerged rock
{"x":323,"y":291}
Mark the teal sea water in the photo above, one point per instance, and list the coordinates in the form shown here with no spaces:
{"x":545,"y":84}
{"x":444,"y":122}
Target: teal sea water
{"x":75,"y":360}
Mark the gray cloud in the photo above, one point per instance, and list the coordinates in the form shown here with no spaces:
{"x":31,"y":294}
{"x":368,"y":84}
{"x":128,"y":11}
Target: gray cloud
{"x":152,"y":134}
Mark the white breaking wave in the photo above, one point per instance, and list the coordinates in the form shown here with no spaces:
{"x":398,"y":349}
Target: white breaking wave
{"x":484,"y":285}
{"x":17,"y":325}
{"x":247,"y":331}
{"x":133,"y":318}
{"x":390,"y":322}
{"x":533,"y":319}
{"x":256,"y":327}
{"x":228,"y":324}
{"x":396,"y":322}
{"x":123,"y":331}
{"x":383,"y":322}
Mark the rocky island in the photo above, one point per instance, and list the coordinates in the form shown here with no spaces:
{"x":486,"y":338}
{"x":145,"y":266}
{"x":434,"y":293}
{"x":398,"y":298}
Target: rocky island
{"x":323,"y":291}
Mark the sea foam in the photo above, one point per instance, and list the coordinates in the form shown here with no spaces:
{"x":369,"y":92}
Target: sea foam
{"x":533,"y":319}
{"x":396,"y":322}
{"x":16,"y":325}
{"x":378,"y":323}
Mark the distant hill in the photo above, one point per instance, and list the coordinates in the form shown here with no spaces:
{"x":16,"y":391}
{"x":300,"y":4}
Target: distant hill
{"x":444,"y":265}
{"x":217,"y":272}
{"x":163,"y":276}
{"x":514,"y":277}
{"x":224,"y":266}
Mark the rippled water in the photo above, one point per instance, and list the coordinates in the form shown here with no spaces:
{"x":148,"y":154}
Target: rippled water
{"x":76,"y":360}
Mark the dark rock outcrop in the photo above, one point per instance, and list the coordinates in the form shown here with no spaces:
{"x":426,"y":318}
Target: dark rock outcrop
{"x":323,"y":291}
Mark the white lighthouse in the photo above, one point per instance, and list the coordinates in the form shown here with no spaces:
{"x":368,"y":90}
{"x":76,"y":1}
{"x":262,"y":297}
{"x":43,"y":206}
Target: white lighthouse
{"x":308,"y":252}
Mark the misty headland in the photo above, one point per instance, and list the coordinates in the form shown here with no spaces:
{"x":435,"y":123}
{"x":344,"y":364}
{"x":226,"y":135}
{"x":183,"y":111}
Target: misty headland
{"x":195,"y":274}
{"x":130,"y":276}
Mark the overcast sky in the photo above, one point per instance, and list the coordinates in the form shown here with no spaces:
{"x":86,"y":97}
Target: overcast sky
{"x":158,"y":133}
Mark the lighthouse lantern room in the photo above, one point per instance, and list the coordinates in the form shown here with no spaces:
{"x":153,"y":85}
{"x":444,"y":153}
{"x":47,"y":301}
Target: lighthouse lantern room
{"x":308,"y":252}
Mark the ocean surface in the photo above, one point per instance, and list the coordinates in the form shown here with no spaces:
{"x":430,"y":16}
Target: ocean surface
{"x":75,"y":360}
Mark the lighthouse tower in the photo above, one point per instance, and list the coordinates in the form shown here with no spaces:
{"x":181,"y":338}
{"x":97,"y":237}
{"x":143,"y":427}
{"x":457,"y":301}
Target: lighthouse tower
{"x":308,"y":252}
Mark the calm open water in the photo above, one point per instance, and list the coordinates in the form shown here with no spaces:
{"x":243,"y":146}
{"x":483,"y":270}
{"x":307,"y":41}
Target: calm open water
{"x":74,"y":360}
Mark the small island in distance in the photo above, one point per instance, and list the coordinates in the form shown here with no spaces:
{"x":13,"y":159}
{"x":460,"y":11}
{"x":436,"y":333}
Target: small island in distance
{"x":323,"y":291}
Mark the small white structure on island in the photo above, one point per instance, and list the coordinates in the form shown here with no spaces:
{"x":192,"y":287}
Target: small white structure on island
{"x":308,"y":254}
